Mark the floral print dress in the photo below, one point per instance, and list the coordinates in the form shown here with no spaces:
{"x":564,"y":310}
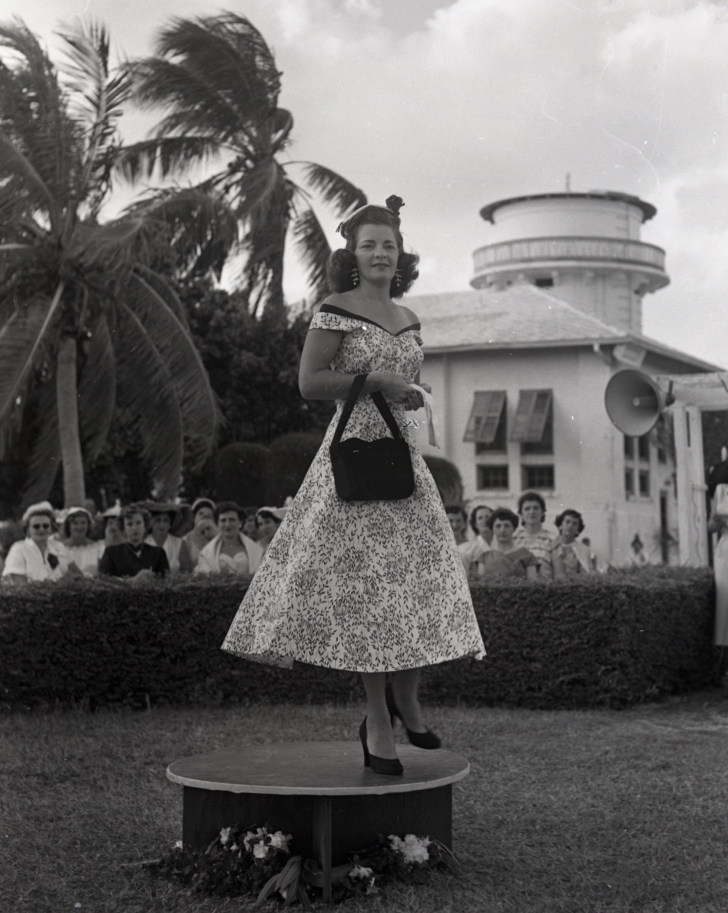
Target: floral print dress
{"x":364,"y":586}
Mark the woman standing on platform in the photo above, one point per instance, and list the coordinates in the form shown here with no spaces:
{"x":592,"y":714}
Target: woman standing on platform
{"x":365,"y":586}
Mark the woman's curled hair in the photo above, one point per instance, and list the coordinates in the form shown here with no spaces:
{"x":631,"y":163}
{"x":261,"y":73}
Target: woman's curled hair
{"x":341,"y":262}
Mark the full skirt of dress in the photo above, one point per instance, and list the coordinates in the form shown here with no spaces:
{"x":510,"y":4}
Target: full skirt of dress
{"x":354,"y":585}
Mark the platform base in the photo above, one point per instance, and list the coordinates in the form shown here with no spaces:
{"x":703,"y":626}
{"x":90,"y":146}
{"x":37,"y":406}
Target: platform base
{"x":355,"y":821}
{"x":320,"y":793}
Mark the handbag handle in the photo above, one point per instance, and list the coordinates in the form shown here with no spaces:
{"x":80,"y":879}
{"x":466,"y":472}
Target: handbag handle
{"x":379,"y":401}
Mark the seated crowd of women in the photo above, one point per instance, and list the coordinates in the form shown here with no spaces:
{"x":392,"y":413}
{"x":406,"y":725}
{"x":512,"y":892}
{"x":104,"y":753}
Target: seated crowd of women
{"x":505,"y":544}
{"x":135,"y":542}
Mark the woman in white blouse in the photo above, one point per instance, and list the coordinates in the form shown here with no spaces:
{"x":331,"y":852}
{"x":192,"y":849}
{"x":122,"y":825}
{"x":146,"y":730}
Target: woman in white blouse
{"x":81,"y":552}
{"x":230,"y":552}
{"x":36,"y":557}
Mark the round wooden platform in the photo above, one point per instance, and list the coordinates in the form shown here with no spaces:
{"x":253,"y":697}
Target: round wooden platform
{"x":319,"y":792}
{"x":314,"y":768}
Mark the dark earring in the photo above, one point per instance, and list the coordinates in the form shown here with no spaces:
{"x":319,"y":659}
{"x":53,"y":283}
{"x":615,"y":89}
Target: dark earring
{"x":398,"y":277}
{"x":355,"y":276}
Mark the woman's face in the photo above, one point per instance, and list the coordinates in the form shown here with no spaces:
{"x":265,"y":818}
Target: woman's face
{"x":569,"y":528}
{"x":532,"y":513}
{"x":503,"y":532}
{"x":229,"y":523}
{"x":135,"y":528}
{"x":112,"y":525}
{"x":250,"y":527}
{"x":160,"y":524}
{"x":481,"y":518}
{"x":457,"y":524}
{"x":376,"y":254}
{"x":203,"y":516}
{"x":78,"y":527}
{"x":267,"y":528}
{"x":39,"y":528}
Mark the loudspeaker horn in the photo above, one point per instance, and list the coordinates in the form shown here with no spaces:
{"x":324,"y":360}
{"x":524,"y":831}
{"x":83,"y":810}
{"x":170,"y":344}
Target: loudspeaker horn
{"x":634,"y":402}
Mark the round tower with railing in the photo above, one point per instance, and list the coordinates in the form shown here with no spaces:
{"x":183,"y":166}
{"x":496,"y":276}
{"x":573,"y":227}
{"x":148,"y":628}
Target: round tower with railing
{"x":585,"y":247}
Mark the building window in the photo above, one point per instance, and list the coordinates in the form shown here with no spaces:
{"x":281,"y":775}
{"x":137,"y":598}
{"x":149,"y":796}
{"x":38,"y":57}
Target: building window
{"x":545,"y":282}
{"x":487,"y":422}
{"x":636,"y":466}
{"x":644,"y":479}
{"x":538,"y":477}
{"x":629,"y":483}
{"x":533,"y":425}
{"x":491,"y":477}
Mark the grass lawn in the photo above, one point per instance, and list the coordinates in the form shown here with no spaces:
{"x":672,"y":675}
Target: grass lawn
{"x":620,"y":811}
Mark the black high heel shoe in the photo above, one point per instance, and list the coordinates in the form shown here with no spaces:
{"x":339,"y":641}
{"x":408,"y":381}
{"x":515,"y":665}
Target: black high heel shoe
{"x":378,"y":765}
{"x":418,"y":739}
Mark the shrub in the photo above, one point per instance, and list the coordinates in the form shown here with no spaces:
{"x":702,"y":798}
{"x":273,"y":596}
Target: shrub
{"x":241,"y":473}
{"x":608,"y":640}
{"x":291,"y":456}
{"x":447,"y":478}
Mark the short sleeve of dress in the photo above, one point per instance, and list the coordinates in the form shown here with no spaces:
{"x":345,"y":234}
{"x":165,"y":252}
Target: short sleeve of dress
{"x":326,"y":320}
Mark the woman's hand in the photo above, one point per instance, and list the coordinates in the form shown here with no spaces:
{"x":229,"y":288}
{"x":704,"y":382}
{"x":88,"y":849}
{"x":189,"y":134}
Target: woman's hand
{"x":396,"y":388}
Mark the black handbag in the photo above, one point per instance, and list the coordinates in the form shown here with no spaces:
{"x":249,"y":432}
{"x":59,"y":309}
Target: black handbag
{"x":378,"y":470}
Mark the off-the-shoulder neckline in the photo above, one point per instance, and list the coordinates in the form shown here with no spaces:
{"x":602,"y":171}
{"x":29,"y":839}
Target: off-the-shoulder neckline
{"x":333,"y":309}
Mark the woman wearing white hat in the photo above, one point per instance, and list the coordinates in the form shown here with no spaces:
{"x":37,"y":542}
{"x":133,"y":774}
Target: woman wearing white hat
{"x":82,"y":552}
{"x":36,"y":557}
{"x":268,"y":519}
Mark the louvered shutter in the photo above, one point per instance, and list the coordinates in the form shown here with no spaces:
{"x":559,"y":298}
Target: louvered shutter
{"x":485,"y":416}
{"x":531,"y":415}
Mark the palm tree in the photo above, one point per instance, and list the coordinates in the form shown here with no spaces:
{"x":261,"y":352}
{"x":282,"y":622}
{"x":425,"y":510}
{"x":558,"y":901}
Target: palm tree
{"x":217,"y":79}
{"x":86,"y":320}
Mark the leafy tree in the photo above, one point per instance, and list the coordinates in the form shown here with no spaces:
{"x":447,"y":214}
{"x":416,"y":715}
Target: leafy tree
{"x":87,"y":320}
{"x":252,"y":363}
{"x":217,"y":79}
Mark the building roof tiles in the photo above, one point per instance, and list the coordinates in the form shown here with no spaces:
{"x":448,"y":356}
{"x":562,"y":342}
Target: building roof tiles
{"x":519,"y":316}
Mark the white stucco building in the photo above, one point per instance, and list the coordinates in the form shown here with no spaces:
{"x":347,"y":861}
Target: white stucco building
{"x":519,"y":366}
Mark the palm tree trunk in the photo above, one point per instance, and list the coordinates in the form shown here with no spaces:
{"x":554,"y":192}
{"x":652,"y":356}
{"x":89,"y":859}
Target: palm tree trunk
{"x":74,"y":491}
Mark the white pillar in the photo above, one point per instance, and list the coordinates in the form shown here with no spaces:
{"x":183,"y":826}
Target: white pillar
{"x":691,"y":487}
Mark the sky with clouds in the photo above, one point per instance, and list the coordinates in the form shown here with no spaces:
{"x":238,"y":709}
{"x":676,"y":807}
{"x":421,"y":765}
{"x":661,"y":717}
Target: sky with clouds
{"x":452,"y":105}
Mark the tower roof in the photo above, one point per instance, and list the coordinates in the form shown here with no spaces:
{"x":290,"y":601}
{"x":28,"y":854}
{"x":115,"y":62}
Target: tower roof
{"x":648,"y":210}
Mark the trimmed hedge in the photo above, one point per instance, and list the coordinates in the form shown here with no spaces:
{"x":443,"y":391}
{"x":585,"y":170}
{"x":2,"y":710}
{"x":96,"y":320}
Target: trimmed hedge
{"x":610,"y":640}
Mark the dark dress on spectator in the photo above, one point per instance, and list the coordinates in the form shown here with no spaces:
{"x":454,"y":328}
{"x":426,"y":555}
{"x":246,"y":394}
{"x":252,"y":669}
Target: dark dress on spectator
{"x":125,"y":561}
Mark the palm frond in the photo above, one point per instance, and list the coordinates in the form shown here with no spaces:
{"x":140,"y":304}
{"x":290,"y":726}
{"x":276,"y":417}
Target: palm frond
{"x":146,"y":389}
{"x":96,"y":389}
{"x":169,"y":155}
{"x":195,"y":105}
{"x":45,"y":454}
{"x":33,"y":111}
{"x":182,"y":361}
{"x":23,"y":181}
{"x":231,"y":53}
{"x":114,"y":248}
{"x":98,"y":98}
{"x":202,"y":228}
{"x":335,"y":190}
{"x":314,"y":250}
{"x":20,"y":340}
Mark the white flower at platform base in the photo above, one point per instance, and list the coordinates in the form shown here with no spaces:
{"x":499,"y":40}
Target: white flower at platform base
{"x":414,"y":849}
{"x":225,"y":835}
{"x":260,"y":851}
{"x":360,"y":871}
{"x":279,"y":840}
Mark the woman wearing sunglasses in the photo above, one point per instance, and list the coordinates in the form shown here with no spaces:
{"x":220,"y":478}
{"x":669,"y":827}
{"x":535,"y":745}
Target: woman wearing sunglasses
{"x":37,"y":556}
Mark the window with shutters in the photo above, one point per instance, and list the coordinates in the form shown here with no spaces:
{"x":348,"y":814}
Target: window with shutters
{"x":492,"y":477}
{"x":486,"y":425}
{"x":537,"y":476}
{"x":533,"y":425}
